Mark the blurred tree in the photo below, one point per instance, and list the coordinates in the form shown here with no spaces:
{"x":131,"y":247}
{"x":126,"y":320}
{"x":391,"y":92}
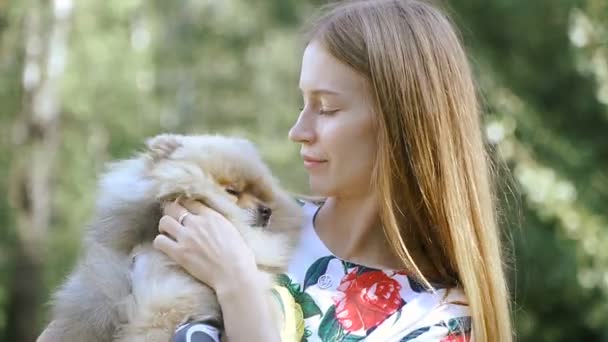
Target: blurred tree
{"x":10,"y":96}
{"x":230,"y":67}
{"x":36,"y":136}
{"x":550,"y":127}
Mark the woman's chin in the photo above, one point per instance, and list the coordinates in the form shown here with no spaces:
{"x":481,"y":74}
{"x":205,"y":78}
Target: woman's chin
{"x":319,"y":188}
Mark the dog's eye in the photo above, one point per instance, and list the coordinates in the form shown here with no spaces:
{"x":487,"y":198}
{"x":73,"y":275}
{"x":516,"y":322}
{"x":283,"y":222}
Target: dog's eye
{"x":232,"y":192}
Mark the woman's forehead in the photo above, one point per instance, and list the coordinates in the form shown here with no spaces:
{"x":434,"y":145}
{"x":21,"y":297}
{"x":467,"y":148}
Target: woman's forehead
{"x":322,"y":73}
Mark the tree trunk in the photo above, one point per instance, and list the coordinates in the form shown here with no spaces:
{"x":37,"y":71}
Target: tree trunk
{"x":36,"y":133}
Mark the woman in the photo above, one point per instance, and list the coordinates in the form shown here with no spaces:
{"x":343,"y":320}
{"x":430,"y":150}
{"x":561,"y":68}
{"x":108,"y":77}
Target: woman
{"x":404,"y":246}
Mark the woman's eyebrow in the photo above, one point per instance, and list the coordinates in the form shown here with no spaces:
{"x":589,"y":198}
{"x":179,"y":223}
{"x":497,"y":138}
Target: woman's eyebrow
{"x":321,"y":91}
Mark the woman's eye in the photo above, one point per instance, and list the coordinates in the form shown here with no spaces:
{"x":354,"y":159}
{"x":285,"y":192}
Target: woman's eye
{"x":327,"y":111}
{"x":232,"y":192}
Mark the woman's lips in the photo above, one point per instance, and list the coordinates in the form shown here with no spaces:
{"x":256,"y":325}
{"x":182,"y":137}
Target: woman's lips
{"x":310,"y":162}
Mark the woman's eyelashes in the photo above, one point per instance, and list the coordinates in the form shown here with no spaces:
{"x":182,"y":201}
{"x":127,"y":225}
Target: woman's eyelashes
{"x":327,"y":111}
{"x":320,"y":110}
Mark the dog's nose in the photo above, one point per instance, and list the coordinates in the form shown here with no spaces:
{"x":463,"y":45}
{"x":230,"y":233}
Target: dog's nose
{"x":264,"y":213}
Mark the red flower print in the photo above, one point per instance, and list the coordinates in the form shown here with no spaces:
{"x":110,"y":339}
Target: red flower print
{"x":455,"y":338}
{"x":368,"y":299}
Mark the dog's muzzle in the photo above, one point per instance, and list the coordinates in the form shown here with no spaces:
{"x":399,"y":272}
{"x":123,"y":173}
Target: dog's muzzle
{"x":263,"y":216}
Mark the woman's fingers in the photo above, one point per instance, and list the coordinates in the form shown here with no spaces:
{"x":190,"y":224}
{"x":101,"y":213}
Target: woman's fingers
{"x":176,"y":211}
{"x":182,"y":216}
{"x":193,"y":206}
{"x":169,"y":226}
{"x":167,"y":246}
{"x":197,"y":207}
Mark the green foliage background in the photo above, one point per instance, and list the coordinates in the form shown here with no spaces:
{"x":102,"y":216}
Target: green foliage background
{"x":135,"y":68}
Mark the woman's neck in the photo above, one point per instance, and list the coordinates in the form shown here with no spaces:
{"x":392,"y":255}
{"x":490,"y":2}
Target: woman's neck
{"x":351,"y":229}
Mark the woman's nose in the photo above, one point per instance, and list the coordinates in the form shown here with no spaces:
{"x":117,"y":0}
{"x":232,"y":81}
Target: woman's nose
{"x":302,"y":131}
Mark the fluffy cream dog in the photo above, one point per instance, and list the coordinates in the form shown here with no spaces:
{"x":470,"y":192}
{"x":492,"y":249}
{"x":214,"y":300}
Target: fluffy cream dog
{"x":101,"y":302}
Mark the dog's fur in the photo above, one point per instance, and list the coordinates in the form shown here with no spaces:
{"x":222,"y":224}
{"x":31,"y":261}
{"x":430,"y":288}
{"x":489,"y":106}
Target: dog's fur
{"x":101,"y":301}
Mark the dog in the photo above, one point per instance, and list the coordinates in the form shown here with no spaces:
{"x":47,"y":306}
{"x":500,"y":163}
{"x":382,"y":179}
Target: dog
{"x":101,"y":301}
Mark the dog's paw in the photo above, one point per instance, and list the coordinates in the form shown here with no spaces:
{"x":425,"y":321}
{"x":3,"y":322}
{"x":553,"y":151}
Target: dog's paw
{"x":162,"y":146}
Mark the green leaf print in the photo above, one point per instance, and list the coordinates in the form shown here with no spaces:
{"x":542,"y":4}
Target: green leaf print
{"x":294,"y":289}
{"x":330,"y":329}
{"x":283,"y":280}
{"x":459,"y":325}
{"x":415,"y":334}
{"x":398,"y":314}
{"x":416,"y":285}
{"x":307,"y":334}
{"x":309,"y":307}
{"x":316,"y":270}
{"x":352,"y":338}
{"x":347,"y":265}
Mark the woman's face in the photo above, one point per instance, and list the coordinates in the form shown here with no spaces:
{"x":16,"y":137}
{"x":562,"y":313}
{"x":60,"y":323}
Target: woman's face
{"x":335,"y":127}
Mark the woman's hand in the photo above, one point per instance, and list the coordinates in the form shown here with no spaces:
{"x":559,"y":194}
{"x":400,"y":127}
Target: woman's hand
{"x":205,"y":243}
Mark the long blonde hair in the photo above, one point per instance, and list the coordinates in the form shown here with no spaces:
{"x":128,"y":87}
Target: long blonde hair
{"x":432,"y":168}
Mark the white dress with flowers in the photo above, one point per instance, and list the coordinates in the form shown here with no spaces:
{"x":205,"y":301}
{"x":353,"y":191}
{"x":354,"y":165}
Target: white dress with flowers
{"x":328,"y":299}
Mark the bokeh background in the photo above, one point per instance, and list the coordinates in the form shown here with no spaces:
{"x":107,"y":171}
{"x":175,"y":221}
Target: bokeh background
{"x":83,"y":82}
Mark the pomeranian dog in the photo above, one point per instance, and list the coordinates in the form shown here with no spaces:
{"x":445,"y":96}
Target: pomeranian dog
{"x":102,"y":301}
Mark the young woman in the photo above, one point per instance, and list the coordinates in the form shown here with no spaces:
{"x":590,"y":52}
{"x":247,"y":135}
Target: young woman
{"x":404,"y":245}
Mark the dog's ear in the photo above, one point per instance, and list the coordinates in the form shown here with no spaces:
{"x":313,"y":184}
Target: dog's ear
{"x":161,"y":146}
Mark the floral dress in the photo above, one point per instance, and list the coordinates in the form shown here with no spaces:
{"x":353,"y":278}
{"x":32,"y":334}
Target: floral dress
{"x":327,"y":299}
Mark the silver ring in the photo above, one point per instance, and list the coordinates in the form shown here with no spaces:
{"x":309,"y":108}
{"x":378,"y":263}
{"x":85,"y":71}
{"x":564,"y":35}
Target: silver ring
{"x":182,"y":217}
